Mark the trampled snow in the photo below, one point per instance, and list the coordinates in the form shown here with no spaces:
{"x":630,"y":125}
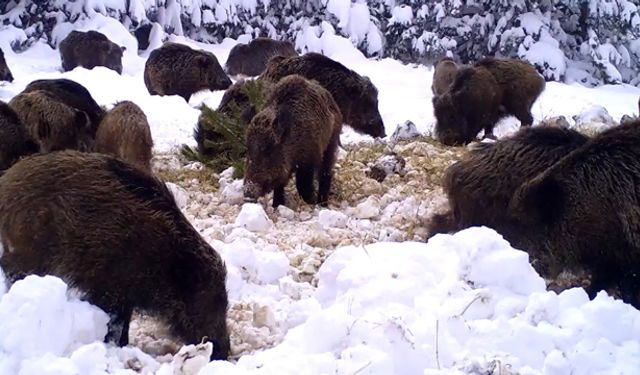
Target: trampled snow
{"x":461,"y":304}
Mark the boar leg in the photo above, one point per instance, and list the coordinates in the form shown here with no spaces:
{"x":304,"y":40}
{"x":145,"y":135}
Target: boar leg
{"x":118,"y":327}
{"x":278,"y":196}
{"x":304,"y":183}
{"x":326,"y":170}
{"x":525,"y":117}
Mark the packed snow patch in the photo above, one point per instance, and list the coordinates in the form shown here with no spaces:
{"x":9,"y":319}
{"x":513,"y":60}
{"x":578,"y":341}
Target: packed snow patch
{"x":409,"y":308}
{"x":253,"y":218}
{"x":39,"y":320}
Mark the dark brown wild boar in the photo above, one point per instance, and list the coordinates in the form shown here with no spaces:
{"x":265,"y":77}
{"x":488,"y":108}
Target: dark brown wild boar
{"x":72,"y":94}
{"x":480,"y":185}
{"x":521,"y":85}
{"x":125,"y":134}
{"x":115,"y":233}
{"x":14,"y":140}
{"x":296,"y":132}
{"x":177,"y":69}
{"x":251,"y":59}
{"x":470,"y":104}
{"x":52,"y":124}
{"x":88,"y":50}
{"x":584,"y":212}
{"x":356,"y":95}
{"x":5,"y":72}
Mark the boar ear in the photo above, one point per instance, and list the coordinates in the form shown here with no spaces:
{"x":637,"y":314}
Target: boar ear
{"x":282,"y":124}
{"x":82,"y":119}
{"x":540,"y":199}
{"x":201,"y":60}
{"x":123,"y":48}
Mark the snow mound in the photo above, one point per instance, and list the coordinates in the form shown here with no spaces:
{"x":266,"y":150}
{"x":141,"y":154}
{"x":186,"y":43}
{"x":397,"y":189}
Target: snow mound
{"x":412,"y":308}
{"x":332,"y":219}
{"x":38,"y":319}
{"x":253,"y":218}
{"x":594,"y":118}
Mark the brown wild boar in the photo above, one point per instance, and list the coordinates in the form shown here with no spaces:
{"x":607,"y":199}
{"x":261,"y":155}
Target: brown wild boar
{"x":444,"y":73}
{"x":52,"y":124}
{"x":88,"y":50}
{"x":177,"y":69}
{"x":480,"y":185}
{"x":115,"y":233}
{"x":124,"y":133}
{"x":584,"y":211}
{"x":297,"y":131}
{"x":14,"y":140}
{"x":521,"y":85}
{"x":72,"y":94}
{"x":251,"y":59}
{"x":356,"y":95}
{"x":5,"y":72}
{"x":470,"y":104}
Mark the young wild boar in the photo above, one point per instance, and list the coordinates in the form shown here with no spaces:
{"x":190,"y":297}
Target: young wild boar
{"x":356,"y":95}
{"x":90,"y":49}
{"x":177,"y":69}
{"x":72,"y":94}
{"x":296,"y":132}
{"x":251,"y":59}
{"x":125,"y":134}
{"x":14,"y":140}
{"x":115,"y":233}
{"x":521,"y":85}
{"x":584,"y":211}
{"x":444,"y":73}
{"x":52,"y":124}
{"x":5,"y":72}
{"x":480,"y":186}
{"x":470,"y":104}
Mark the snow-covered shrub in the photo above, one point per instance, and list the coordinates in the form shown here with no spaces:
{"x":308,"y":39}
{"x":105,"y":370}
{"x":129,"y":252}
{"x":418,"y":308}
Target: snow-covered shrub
{"x":601,"y":36}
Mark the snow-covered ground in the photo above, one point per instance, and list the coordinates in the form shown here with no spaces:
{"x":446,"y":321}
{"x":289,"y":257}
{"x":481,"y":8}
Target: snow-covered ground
{"x":309,"y":292}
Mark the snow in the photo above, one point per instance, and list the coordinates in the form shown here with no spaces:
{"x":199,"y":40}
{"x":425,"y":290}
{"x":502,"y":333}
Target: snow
{"x":459,"y":304}
{"x":378,"y":312}
{"x":253,"y":218}
{"x":332,"y":219}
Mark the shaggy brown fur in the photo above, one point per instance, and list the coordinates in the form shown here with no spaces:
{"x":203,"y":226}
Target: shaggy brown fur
{"x":469,"y":105}
{"x":14,"y":140}
{"x":52,"y":124}
{"x":443,"y":75}
{"x":356,"y":95}
{"x":177,"y":69}
{"x":90,"y":49}
{"x":5,"y":72}
{"x":585,"y":211}
{"x":296,"y":132}
{"x":125,"y":134}
{"x":251,"y":59}
{"x":480,"y":186}
{"x":115,"y":233}
{"x":72,"y":94}
{"x":521,"y":85}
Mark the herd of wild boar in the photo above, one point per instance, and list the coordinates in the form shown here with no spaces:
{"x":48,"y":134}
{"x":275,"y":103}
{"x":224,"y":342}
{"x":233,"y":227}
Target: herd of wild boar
{"x":79,"y":200}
